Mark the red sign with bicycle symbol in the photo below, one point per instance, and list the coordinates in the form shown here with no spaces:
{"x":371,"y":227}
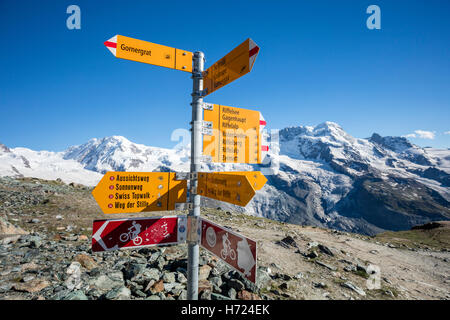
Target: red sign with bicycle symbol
{"x":137,"y":232}
{"x":234,"y":249}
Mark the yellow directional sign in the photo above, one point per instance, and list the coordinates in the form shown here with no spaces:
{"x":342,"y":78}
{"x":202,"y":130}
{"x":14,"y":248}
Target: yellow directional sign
{"x":229,"y":187}
{"x":128,"y":192}
{"x":236,"y":135}
{"x":256,"y":178}
{"x":231,"y":67}
{"x":151,"y":53}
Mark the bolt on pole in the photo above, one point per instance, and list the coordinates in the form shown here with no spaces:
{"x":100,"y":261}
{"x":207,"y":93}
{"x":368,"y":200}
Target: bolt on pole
{"x":196,"y":153}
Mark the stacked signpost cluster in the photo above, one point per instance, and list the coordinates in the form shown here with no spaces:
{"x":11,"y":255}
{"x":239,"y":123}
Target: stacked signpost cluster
{"x":227,"y":135}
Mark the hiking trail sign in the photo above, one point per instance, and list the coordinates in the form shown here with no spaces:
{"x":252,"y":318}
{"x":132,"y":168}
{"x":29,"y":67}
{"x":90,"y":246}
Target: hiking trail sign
{"x":237,"y":138}
{"x":150,"y":53}
{"x":129,"y":192}
{"x":236,"y":250}
{"x":234,"y":65}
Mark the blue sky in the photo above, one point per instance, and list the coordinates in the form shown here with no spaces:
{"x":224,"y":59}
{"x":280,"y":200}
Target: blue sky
{"x":318,"y":62}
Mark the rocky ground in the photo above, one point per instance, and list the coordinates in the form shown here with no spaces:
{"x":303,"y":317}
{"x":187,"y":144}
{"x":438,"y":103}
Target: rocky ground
{"x":45,"y":229}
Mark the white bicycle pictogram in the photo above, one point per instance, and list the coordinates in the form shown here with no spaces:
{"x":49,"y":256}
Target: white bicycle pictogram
{"x":132,"y":234}
{"x":227,"y":251}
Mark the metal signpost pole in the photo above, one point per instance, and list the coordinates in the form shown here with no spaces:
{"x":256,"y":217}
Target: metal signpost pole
{"x":196,"y":153}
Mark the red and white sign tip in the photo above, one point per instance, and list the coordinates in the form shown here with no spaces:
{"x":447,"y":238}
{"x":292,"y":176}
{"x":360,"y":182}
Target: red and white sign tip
{"x":264,"y":144}
{"x":111,"y":44}
{"x":252,"y":53}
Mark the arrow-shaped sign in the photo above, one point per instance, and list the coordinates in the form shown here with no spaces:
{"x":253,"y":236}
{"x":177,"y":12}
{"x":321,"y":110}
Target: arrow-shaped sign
{"x":236,"y":250}
{"x":237,"y":135}
{"x":128,"y":192}
{"x":256,"y":178}
{"x":231,"y":67}
{"x":108,"y":235}
{"x":230,"y":187}
{"x":148,"y":52}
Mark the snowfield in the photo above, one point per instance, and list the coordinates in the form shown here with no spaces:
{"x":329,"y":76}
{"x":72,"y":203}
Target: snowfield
{"x":318,"y":171}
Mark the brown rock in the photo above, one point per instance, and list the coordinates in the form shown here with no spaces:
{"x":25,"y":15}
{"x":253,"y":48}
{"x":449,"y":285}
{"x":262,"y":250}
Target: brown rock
{"x":6,"y":228}
{"x":29,"y":266}
{"x":204,"y":285}
{"x":32,"y":286}
{"x":57,"y":237}
{"x":245,"y":295}
{"x":203,"y":272}
{"x":83,"y":237}
{"x":157,"y":287}
{"x":86,"y":261}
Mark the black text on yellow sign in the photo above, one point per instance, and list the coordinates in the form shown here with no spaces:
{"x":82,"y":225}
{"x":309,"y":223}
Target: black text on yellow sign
{"x":236,"y":136}
{"x":129,"y":192}
{"x":150,"y":53}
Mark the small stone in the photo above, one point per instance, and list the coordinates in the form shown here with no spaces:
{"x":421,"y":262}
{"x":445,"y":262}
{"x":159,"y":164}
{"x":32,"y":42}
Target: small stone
{"x":28,"y":278}
{"x":181,"y":278}
{"x":216,"y":296}
{"x":236,"y":284}
{"x":75,"y":295}
{"x":32,"y":286}
{"x":245,"y":295}
{"x":203,"y":272}
{"x":121,"y":293}
{"x":152,"y":273}
{"x":351,"y":286}
{"x":325,"y":250}
{"x":330,"y":267}
{"x":105,"y":283}
{"x":320,"y":285}
{"x":283,"y":286}
{"x":169,"y":277}
{"x":157,"y":287}
{"x":205,"y":295}
{"x":204,"y":285}
{"x":216,"y":283}
{"x":28,"y":267}
{"x":132,"y":270}
{"x":83,"y":237}
{"x":183,"y":295}
{"x":360,"y":267}
{"x":86,"y":261}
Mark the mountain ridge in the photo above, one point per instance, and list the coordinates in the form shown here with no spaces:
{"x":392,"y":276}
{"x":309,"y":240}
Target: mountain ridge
{"x":323,"y":174}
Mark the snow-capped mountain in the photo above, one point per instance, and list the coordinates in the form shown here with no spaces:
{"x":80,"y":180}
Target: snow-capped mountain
{"x":326,"y":177}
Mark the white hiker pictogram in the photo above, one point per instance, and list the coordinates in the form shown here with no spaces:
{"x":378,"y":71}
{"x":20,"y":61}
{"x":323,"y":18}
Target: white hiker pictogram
{"x":227,"y":250}
{"x":132,"y":234}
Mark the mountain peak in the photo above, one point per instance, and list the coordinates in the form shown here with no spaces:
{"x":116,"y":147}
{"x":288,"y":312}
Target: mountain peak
{"x":397,"y":144}
{"x":4,"y":148}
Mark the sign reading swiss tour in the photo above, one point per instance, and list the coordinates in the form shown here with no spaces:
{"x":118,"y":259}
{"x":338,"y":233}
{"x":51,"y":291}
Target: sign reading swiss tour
{"x":129,"y":192}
